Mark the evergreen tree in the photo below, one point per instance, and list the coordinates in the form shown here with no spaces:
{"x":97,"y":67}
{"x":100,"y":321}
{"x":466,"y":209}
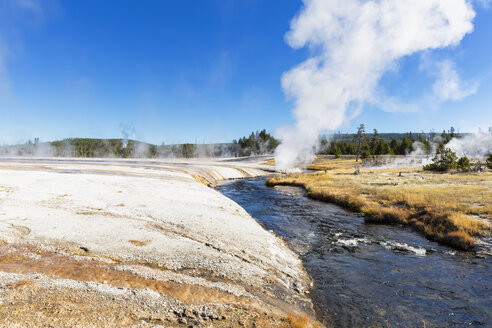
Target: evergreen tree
{"x":444,"y":160}
{"x":337,"y":151}
{"x":489,"y":161}
{"x":374,"y":144}
{"x":463,"y":164}
{"x":153,"y":151}
{"x":359,"y":138}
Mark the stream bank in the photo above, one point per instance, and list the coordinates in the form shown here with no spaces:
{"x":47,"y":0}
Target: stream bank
{"x":370,"y":274}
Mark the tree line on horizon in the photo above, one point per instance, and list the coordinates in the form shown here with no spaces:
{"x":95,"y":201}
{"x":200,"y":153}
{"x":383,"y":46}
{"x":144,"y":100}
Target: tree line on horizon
{"x":364,"y":145}
{"x":257,"y":143}
{"x":121,"y":148}
{"x":361,"y":144}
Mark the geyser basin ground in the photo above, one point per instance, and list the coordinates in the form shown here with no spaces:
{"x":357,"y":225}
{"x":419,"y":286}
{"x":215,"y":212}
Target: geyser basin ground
{"x":128,"y":242}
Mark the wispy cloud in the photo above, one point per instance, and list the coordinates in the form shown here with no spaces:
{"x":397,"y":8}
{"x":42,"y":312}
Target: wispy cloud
{"x":449,"y":85}
{"x":394,"y":105}
{"x":484,"y":3}
{"x":16,"y":15}
{"x":31,"y":6}
{"x":222,"y":68}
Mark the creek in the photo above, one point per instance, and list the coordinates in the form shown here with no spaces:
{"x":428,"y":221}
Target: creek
{"x":370,"y":275}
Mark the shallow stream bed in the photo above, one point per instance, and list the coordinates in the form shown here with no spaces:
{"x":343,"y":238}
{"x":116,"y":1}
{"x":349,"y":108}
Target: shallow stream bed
{"x":369,"y":275}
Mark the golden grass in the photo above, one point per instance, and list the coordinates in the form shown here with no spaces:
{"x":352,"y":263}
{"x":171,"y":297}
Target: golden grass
{"x":450,"y":208}
{"x":269,"y":163}
{"x":326,"y":162}
{"x":295,"y":320}
{"x":469,"y":224}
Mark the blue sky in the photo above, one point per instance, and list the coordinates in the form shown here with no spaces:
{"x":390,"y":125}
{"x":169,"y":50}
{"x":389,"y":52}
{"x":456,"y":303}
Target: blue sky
{"x":191,"y":70}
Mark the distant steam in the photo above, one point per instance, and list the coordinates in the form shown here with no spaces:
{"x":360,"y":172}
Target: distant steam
{"x":127,"y":130}
{"x":474,"y":146}
{"x":353,"y":43}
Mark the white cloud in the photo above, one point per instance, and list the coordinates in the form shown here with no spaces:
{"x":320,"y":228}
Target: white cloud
{"x":484,"y":3}
{"x":394,"y":105}
{"x":353,"y":43}
{"x":449,"y":85}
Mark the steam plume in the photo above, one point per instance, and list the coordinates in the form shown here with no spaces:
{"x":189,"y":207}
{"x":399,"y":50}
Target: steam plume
{"x":353,"y":42}
{"x":475,"y":146}
{"x":127,"y":130}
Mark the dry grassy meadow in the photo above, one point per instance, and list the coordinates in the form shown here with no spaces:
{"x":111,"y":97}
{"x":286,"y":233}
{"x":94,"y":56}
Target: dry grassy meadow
{"x":452,"y":208}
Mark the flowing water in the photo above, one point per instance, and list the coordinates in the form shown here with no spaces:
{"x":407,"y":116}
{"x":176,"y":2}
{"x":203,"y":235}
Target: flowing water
{"x":369,"y":275}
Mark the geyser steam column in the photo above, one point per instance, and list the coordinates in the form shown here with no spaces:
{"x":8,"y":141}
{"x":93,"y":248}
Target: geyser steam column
{"x":353,"y":42}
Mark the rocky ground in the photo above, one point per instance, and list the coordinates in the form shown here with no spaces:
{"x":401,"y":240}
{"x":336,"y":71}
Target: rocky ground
{"x":138,"y":243}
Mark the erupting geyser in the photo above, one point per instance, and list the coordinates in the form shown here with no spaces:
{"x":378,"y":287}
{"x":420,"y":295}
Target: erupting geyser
{"x":353,"y":43}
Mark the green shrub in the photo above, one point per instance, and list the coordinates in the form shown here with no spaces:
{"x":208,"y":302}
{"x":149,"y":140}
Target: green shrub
{"x":489,"y":161}
{"x":463,"y":164}
{"x":338,"y":152}
{"x":444,"y":160}
{"x":365,"y":154}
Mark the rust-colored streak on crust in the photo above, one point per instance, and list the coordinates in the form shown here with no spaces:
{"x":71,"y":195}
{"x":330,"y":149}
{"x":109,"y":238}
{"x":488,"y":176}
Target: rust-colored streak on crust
{"x":26,"y":259}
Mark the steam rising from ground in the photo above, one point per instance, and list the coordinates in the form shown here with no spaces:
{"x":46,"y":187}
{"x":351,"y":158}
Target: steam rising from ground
{"x":353,"y":43}
{"x":474,"y":146}
{"x":127,"y":148}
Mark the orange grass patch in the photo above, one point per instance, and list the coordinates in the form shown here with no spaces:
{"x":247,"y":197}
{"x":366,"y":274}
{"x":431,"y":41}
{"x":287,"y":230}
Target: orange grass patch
{"x":295,"y":320}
